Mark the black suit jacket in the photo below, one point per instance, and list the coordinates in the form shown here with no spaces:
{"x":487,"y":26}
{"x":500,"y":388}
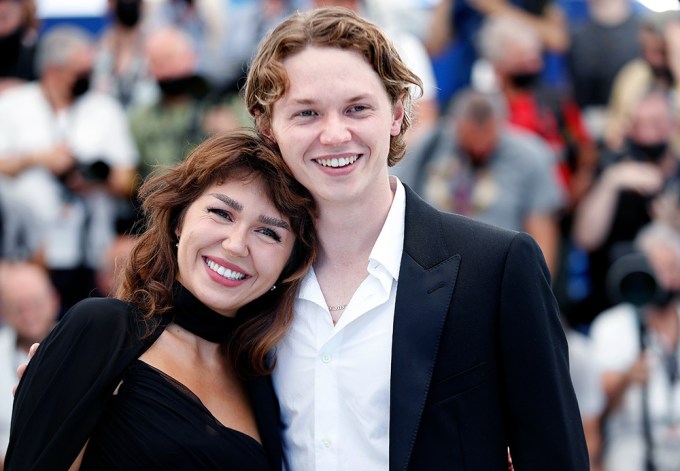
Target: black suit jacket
{"x":479,"y":358}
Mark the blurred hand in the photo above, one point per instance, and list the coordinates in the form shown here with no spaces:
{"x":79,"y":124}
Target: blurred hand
{"x":488,"y":7}
{"x":22,"y":367}
{"x":57,"y":160}
{"x":643,"y":177}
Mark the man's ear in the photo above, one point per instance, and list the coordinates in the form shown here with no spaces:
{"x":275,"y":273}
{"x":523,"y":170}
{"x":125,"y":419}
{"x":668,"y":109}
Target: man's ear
{"x":267,"y":133}
{"x":398,"y":113}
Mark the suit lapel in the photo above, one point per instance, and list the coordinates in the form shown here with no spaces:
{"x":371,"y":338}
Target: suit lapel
{"x":426,"y":281}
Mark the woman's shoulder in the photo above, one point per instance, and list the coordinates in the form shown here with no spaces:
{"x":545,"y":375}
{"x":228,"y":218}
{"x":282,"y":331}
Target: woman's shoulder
{"x":111,"y":318}
{"x":100,"y":314}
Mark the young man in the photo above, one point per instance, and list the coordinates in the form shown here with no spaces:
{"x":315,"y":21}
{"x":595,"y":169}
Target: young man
{"x":421,"y":340}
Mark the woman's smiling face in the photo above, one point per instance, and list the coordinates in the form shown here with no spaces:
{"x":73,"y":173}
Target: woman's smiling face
{"x":233,"y":245}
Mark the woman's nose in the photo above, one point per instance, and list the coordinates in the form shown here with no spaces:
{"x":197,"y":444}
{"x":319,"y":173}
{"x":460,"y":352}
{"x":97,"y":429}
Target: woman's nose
{"x":235,"y":243}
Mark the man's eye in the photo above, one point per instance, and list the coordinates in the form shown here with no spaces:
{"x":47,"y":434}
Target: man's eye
{"x":358,"y":108}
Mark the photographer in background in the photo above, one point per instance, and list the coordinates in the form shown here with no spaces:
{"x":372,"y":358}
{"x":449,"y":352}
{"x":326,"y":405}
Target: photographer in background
{"x":620,"y":201}
{"x":636,"y":347}
{"x":69,"y":156}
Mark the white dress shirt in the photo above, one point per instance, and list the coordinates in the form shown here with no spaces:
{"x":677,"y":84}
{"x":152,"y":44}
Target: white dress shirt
{"x":333,"y":381}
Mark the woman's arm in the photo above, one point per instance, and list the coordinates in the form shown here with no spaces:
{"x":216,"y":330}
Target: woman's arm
{"x":68,"y":383}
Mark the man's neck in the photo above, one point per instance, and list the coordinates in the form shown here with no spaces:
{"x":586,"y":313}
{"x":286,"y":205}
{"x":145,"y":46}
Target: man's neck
{"x":351,"y":230}
{"x":664,"y":321}
{"x":347,"y":234}
{"x":611,"y":13}
{"x":56,"y":97}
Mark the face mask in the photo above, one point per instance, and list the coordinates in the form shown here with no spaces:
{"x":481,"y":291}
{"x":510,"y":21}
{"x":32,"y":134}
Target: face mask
{"x":175,"y":86}
{"x":525,"y":81}
{"x":477,"y":159}
{"x":647,"y":152}
{"x":80,"y":86}
{"x":663,"y":73}
{"x":10,"y":46}
{"x":128,"y":12}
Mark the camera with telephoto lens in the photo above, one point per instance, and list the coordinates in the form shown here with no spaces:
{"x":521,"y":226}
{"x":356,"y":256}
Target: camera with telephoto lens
{"x":95,"y":172}
{"x":631,"y":279}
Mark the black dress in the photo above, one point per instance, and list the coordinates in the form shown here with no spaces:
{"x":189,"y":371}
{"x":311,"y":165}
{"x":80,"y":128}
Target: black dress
{"x":65,"y":398}
{"x":155,"y":423}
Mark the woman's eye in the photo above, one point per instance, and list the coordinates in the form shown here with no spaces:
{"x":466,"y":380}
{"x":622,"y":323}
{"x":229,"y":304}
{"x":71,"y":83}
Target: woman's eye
{"x":221,"y":213}
{"x":272,"y":234}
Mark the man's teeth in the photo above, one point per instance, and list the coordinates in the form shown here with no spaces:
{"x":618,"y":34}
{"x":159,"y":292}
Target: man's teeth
{"x":338,"y":162}
{"x":225,"y":272}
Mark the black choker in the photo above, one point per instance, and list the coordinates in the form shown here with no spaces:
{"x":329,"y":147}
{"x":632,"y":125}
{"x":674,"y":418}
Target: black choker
{"x":194,"y":316}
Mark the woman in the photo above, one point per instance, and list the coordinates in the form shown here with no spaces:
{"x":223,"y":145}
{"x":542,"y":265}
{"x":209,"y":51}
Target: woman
{"x":155,"y":378}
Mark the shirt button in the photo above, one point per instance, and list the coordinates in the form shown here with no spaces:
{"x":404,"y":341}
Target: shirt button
{"x":326,"y":357}
{"x":326,"y":442}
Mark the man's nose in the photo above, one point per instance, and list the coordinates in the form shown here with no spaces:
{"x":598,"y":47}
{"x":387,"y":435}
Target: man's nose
{"x":335,"y":130}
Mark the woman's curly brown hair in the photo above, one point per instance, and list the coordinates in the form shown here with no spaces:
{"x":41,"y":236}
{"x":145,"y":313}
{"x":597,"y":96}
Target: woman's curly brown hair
{"x":152,"y":266}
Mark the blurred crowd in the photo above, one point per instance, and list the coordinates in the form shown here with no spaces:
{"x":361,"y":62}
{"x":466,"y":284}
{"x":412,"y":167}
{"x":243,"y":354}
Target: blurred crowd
{"x":537,"y":116}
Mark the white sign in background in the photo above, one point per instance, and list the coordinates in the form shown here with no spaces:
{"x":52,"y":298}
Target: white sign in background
{"x":73,"y":8}
{"x":70,"y":8}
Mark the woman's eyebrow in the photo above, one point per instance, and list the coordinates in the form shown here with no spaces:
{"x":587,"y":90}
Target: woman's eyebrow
{"x":232,"y":203}
{"x":269,"y":220}
{"x":272,"y":221}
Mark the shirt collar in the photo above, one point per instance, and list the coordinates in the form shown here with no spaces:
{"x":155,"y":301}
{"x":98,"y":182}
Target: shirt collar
{"x":386,"y":252}
{"x":389,"y":246}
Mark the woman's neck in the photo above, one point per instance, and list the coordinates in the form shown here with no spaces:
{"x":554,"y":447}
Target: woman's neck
{"x":193,"y":343}
{"x":56,"y":96}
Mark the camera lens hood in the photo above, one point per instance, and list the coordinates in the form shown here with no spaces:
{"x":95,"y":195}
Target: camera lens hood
{"x":631,"y":279}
